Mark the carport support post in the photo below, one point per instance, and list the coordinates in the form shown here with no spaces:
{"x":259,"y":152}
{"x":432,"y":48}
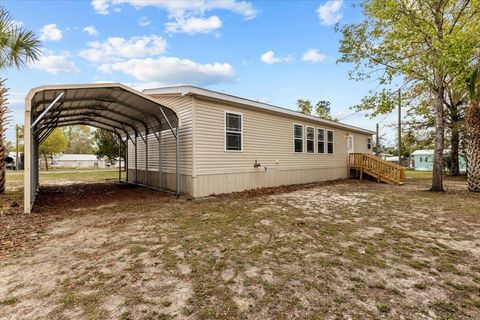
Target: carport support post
{"x":119,"y":158}
{"x":146,"y":156}
{"x":126,"y":158}
{"x":160,"y":159}
{"x":136,"y":157}
{"x":177,"y":173}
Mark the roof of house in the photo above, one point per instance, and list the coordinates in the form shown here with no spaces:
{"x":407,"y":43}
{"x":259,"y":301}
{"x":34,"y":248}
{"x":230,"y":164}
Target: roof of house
{"x":426,"y":152}
{"x":76,"y":157}
{"x":215,"y":95}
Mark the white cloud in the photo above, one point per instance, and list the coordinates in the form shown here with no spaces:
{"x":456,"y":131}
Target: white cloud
{"x":90,"y":30}
{"x":50,"y":32}
{"x":194,"y":25}
{"x":186,"y":16}
{"x":314,"y":56}
{"x":180,"y":8}
{"x":330,"y":12}
{"x":144,"y":21}
{"x":116,"y":48}
{"x":172,"y":70}
{"x":55,"y":63}
{"x":269,"y":57}
{"x":101,"y":6}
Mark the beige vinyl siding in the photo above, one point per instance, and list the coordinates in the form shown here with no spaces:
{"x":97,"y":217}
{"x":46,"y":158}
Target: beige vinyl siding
{"x":360,"y":143}
{"x":183,"y":107}
{"x":267,"y":138}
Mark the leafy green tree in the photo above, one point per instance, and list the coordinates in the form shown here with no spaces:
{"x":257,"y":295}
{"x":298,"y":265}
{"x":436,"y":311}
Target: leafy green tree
{"x":304,"y":106}
{"x":107,"y":146}
{"x":322,"y":109}
{"x":79,"y":139}
{"x":18,"y":47}
{"x":54,"y":144}
{"x":415,"y":42}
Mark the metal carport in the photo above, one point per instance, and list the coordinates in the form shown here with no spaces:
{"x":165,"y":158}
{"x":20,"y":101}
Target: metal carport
{"x":123,"y":111}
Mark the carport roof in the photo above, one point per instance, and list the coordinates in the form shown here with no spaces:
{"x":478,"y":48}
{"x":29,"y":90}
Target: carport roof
{"x":111,"y":106}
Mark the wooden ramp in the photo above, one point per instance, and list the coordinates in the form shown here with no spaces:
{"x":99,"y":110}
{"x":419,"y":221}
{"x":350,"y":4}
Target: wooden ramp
{"x":377,"y":168}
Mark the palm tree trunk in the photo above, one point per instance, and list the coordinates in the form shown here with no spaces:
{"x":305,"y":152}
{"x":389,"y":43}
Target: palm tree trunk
{"x":455,"y":146}
{"x":473,"y":147}
{"x":3,"y":125}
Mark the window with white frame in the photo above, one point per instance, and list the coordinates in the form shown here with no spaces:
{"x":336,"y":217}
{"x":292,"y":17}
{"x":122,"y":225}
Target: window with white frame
{"x":369,"y":143}
{"x":329,"y":141}
{"x":233,"y":131}
{"x":298,"y":137}
{"x":310,"y":139}
{"x":320,"y":140}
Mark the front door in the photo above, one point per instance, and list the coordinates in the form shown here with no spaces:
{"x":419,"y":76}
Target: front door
{"x":349,"y":144}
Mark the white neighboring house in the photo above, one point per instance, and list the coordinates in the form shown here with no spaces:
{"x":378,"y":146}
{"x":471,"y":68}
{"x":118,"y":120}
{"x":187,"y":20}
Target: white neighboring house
{"x":77,"y":161}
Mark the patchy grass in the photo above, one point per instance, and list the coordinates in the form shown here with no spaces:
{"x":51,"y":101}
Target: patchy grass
{"x":345,"y":249}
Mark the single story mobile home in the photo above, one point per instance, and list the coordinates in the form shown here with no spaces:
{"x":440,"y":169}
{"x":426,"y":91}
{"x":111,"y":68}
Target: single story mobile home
{"x":228,"y":144}
{"x":196,"y":141}
{"x":423,"y":160}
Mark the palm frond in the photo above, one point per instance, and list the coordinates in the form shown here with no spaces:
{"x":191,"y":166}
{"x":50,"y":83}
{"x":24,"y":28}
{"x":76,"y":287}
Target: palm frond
{"x":18,"y":46}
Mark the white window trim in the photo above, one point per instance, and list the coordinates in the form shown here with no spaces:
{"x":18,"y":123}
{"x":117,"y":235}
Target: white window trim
{"x":225,"y":130}
{"x":333,"y":143}
{"x":303,"y":137}
{"x":324,"y":140}
{"x":306,"y":140}
{"x":369,"y":143}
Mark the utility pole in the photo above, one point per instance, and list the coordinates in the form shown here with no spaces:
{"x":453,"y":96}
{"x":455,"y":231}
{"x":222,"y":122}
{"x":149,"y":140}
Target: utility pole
{"x":16,"y":148}
{"x":399,"y":125}
{"x":377,"y":140}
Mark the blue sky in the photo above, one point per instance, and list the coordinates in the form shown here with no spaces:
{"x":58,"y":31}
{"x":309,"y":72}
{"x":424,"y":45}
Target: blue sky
{"x":272,"y":51}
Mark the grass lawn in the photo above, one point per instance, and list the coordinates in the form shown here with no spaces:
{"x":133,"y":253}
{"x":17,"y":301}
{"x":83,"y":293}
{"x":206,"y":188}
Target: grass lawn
{"x":337,"y":250}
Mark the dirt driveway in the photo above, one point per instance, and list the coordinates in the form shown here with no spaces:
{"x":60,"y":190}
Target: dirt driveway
{"x":340,"y":250}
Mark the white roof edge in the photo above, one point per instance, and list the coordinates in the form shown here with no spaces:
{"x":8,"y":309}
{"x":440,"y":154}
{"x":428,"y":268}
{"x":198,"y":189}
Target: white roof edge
{"x":34,"y":90}
{"x":188,"y":89}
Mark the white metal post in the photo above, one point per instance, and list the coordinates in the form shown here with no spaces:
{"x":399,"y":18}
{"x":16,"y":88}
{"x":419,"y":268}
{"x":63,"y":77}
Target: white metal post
{"x":126,"y":158}
{"x":27,"y":174}
{"x":160,"y":158}
{"x":136,"y":158}
{"x":177,"y":173}
{"x":119,"y":158}
{"x":146,"y":157}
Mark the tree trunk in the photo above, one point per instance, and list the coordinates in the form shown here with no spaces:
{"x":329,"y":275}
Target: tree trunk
{"x":46,"y":162}
{"x":3,"y":165}
{"x":437,"y":179}
{"x":455,"y":143}
{"x":473,"y":147}
{"x":3,"y":125}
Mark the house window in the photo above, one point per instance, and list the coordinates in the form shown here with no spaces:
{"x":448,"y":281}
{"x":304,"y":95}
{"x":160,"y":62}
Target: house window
{"x":310,"y":140}
{"x":421,"y":159}
{"x":298,"y":137}
{"x":233,"y":131}
{"x":320,"y":140}
{"x":329,"y":141}
{"x":369,"y":143}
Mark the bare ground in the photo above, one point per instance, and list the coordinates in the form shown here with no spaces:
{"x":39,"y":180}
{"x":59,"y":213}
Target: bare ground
{"x":340,"y":250}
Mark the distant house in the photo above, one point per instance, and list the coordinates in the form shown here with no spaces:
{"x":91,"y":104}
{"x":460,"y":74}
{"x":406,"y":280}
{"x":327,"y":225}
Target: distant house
{"x":76,"y":161}
{"x":423,"y":160}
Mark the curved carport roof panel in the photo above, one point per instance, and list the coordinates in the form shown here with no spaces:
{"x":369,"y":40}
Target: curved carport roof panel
{"x":111,"y":106}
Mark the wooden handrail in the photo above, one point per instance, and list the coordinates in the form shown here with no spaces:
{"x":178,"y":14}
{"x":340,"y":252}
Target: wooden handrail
{"x":378,"y":168}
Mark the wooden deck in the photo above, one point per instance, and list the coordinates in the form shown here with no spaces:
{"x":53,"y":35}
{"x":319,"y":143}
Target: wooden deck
{"x":377,"y":168}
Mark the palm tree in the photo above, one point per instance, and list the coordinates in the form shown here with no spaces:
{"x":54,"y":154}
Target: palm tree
{"x":18,"y":48}
{"x":473,"y":132}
